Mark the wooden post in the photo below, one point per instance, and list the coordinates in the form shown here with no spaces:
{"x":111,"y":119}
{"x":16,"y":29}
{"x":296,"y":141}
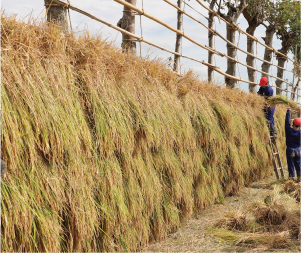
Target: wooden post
{"x":57,"y":14}
{"x":179,"y":37}
{"x":127,"y":22}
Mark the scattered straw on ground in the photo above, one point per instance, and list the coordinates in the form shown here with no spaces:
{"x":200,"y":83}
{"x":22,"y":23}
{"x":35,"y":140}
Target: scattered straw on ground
{"x":273,"y":222}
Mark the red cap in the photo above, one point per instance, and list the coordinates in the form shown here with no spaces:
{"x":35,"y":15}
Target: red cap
{"x":263,"y":81}
{"x":297,"y":121}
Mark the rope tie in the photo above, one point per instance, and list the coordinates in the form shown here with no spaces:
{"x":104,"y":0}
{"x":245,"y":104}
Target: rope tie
{"x":219,"y":53}
{"x":130,"y":39}
{"x":130,"y":11}
{"x":57,"y":5}
{"x":54,"y":5}
{"x":67,"y":5}
{"x":282,"y":57}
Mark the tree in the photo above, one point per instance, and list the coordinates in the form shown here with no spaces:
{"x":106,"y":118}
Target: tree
{"x":288,"y":33}
{"x":268,"y":39}
{"x":57,"y":14}
{"x":287,"y":41}
{"x":277,"y":14}
{"x":127,"y":22}
{"x":255,"y":15}
{"x":234,"y":11}
{"x":274,"y":18}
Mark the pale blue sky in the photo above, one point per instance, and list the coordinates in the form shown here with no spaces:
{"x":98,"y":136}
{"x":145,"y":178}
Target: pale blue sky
{"x":111,"y":11}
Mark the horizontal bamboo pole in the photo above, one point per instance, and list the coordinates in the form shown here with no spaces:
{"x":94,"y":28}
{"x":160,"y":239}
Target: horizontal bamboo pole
{"x":285,"y":90}
{"x":223,"y":38}
{"x":205,"y":47}
{"x":248,"y":35}
{"x":142,"y":12}
{"x":72,"y":7}
{"x":259,"y":71}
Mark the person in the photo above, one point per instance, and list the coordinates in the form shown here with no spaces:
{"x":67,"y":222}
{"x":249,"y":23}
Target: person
{"x":3,"y":168}
{"x":293,"y":144}
{"x":266,"y":91}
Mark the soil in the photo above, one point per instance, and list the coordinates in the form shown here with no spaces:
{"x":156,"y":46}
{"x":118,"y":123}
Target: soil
{"x":193,"y":236}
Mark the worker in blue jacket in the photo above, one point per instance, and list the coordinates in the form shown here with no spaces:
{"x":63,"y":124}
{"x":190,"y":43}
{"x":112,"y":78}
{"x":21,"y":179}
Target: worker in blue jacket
{"x":293,"y":144}
{"x":266,"y":91}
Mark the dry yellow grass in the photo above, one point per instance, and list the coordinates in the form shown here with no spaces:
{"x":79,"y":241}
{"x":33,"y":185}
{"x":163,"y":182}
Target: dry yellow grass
{"x":262,"y":241}
{"x":274,"y":223}
{"x":107,"y":151}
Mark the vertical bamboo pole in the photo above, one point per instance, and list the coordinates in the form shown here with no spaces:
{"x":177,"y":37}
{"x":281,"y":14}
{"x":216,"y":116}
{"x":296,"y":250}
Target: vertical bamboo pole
{"x":210,"y":41}
{"x":292,"y":94}
{"x":179,"y":37}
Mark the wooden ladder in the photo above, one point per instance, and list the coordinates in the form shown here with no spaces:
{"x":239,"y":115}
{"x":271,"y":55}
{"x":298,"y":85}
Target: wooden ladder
{"x":276,"y":157}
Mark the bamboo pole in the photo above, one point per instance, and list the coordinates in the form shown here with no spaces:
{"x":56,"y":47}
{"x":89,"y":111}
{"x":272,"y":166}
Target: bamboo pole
{"x":164,"y":24}
{"x":210,"y":40}
{"x":242,"y":31}
{"x":173,"y":29}
{"x":292,"y":97}
{"x":72,"y":7}
{"x":223,"y":38}
{"x":215,"y":32}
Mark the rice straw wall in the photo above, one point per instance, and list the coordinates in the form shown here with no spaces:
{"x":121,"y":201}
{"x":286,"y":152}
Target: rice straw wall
{"x":107,"y":151}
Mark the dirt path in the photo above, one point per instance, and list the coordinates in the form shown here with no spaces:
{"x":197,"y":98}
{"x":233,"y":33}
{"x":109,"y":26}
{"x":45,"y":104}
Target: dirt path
{"x":192,"y":236}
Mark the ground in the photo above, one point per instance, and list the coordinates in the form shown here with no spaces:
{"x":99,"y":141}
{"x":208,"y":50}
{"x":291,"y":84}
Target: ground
{"x":193,"y":236}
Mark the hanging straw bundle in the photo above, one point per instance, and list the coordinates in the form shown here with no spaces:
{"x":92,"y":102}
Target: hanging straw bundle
{"x":280,"y":99}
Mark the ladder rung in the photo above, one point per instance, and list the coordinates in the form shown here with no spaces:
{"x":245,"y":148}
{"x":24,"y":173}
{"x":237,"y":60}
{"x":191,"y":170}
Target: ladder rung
{"x":273,"y":144}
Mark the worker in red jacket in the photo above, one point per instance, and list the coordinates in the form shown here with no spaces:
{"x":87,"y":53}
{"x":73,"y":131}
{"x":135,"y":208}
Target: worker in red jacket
{"x":293,"y":143}
{"x":266,"y":91}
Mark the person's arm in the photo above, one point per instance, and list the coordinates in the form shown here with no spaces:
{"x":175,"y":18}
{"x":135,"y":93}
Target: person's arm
{"x":269,"y":92}
{"x":288,"y":120}
{"x":259,"y":92}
